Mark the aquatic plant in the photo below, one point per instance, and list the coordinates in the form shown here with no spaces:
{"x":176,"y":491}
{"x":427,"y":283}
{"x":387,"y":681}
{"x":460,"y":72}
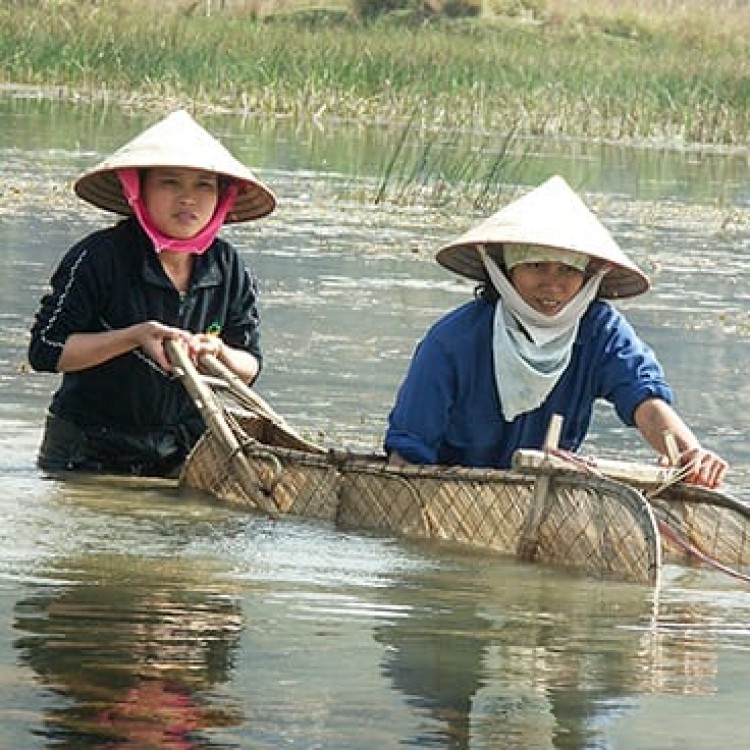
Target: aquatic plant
{"x":427,"y":168}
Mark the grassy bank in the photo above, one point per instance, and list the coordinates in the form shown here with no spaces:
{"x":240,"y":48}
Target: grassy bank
{"x":670,"y":72}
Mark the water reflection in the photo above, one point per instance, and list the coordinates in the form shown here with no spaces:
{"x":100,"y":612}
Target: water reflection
{"x":485,"y":654}
{"x":532,"y":661}
{"x":129,"y":655}
{"x":518,"y":662}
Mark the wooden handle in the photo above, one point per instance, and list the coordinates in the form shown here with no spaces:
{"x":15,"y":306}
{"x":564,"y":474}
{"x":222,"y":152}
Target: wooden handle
{"x":238,"y":387}
{"x":528,"y":544}
{"x":213,"y":415}
{"x":552,"y":438}
{"x":252,"y":401}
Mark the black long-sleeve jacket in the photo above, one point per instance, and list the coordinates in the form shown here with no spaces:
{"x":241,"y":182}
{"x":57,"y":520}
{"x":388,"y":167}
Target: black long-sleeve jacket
{"x":113,"y":279}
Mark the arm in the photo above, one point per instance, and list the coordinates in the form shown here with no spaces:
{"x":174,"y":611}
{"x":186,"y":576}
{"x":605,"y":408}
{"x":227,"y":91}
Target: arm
{"x":237,"y":345}
{"x":632,"y":379}
{"x":419,"y":417}
{"x":654,"y":417}
{"x":84,"y":350}
{"x":396,"y":459}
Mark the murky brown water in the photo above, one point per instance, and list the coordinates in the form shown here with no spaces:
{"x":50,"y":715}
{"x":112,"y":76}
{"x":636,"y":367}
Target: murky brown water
{"x":136,"y":617}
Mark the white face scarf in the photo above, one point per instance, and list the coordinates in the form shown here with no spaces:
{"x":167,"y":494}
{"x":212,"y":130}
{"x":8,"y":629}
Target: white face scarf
{"x":530,"y":349}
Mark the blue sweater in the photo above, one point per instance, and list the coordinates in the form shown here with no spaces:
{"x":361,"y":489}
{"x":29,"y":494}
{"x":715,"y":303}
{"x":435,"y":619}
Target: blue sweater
{"x":447,"y":410}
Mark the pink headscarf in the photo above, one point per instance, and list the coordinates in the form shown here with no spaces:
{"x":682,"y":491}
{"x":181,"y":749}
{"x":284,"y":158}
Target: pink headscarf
{"x":131,"y":187}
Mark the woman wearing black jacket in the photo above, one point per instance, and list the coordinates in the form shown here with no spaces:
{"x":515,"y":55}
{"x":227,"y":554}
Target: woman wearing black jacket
{"x":161,"y":273}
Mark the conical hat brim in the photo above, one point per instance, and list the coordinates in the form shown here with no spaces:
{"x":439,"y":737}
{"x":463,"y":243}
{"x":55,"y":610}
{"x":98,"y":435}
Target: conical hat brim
{"x":554,"y":216}
{"x":175,"y":141}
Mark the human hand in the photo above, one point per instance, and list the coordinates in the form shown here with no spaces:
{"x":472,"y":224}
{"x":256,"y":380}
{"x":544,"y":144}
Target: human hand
{"x":703,"y":467}
{"x":151,"y":336}
{"x":201,"y":344}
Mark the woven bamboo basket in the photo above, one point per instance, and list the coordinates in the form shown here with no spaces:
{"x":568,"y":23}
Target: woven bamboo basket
{"x":297,"y":481}
{"x":608,"y":524}
{"x":711,"y":523}
{"x":696,"y":523}
{"x":600,"y":527}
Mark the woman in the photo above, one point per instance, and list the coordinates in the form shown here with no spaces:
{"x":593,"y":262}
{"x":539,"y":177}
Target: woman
{"x":539,"y":340}
{"x":161,"y":273}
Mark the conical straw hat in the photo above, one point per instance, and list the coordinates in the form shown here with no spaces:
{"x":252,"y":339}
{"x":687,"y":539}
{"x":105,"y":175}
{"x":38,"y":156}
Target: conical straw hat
{"x":175,"y":141}
{"x":554,"y":216}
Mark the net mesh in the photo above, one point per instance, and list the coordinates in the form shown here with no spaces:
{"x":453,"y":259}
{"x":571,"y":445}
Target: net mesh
{"x":717,"y":529}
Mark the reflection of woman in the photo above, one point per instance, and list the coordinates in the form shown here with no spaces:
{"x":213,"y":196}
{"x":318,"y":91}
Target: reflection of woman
{"x":132,"y":659}
{"x":438,"y":667}
{"x":516,"y":667}
{"x":153,"y":714}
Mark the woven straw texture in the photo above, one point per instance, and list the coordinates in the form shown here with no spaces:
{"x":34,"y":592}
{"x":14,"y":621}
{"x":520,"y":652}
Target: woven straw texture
{"x":600,"y":527}
{"x":716,"y":525}
{"x":298,"y":482}
{"x":588,"y":524}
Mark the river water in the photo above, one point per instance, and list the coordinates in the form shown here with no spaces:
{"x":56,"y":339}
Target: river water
{"x":138,"y":617}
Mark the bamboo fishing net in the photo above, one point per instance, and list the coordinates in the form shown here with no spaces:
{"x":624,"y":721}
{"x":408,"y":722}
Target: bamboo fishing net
{"x":599,"y":525}
{"x":706,"y":522}
{"x":697,"y":524}
{"x":586,"y":524}
{"x":296,"y":481}
{"x":574,"y":518}
{"x":481,"y":508}
{"x":602,"y":527}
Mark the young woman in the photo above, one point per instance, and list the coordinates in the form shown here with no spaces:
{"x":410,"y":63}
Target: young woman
{"x":538,"y":340}
{"x":117,"y":295}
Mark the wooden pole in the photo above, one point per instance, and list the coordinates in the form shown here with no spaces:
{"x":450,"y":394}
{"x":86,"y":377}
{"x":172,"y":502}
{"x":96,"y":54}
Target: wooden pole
{"x":213,"y":415}
{"x":252,"y":401}
{"x":528,"y":544}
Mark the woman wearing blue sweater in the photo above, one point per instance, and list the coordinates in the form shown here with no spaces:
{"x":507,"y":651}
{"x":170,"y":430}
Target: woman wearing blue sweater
{"x":539,"y":340}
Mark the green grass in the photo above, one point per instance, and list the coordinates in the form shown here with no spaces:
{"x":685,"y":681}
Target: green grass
{"x":612,"y":75}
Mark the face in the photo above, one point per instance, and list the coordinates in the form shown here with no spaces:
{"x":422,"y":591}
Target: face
{"x":180,"y":201}
{"x":546,"y":286}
